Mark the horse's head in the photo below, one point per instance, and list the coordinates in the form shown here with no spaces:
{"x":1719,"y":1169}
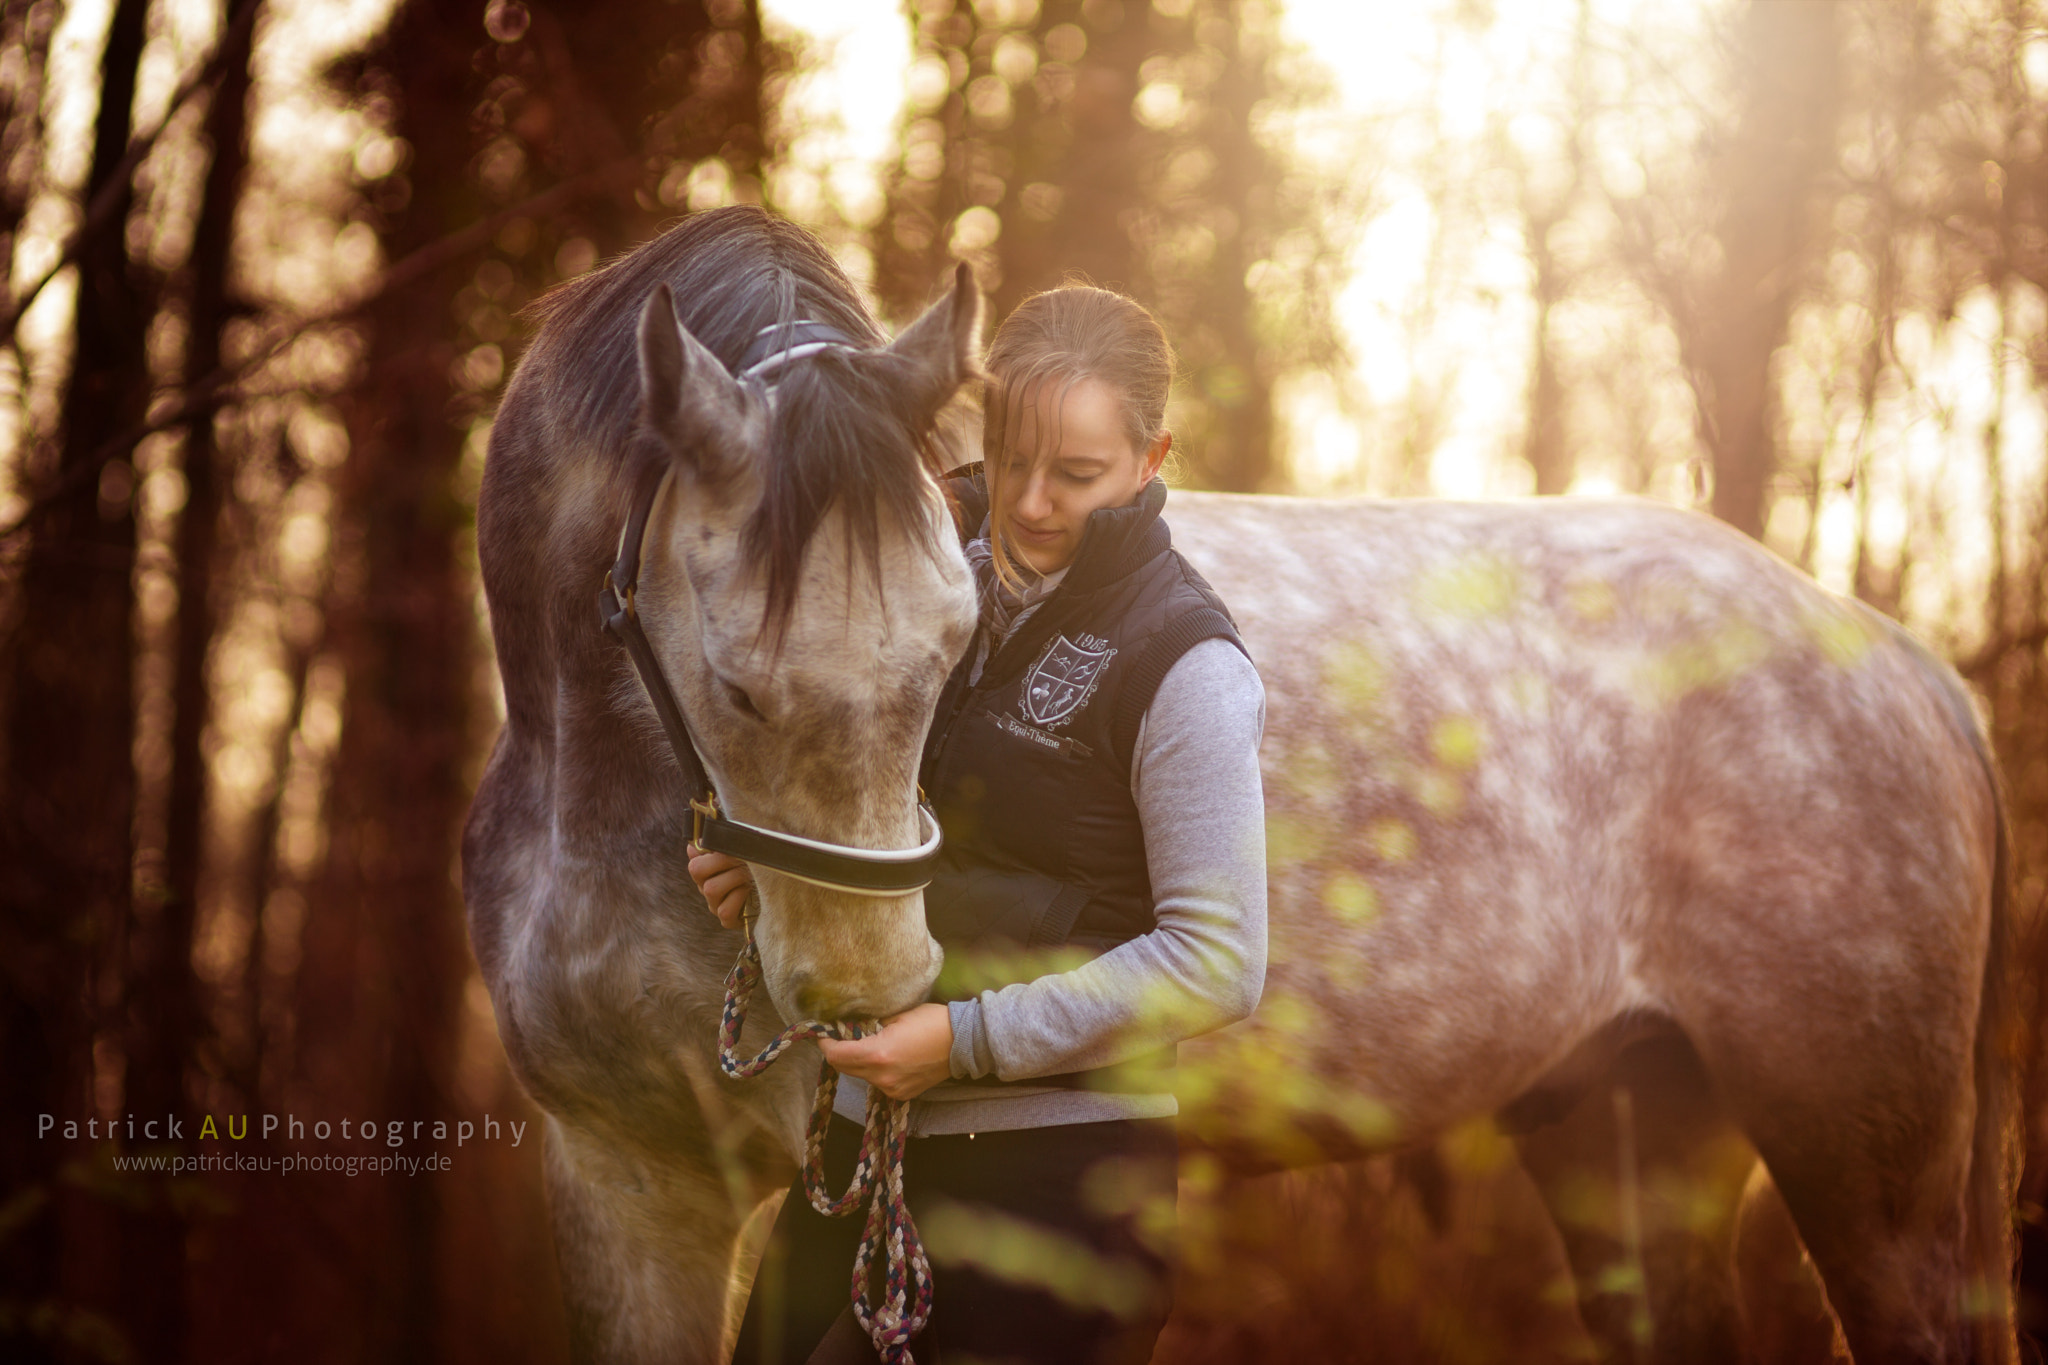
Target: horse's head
{"x":807,"y":598}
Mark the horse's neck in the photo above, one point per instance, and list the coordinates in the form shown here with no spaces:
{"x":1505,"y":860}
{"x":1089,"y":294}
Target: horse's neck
{"x":615,"y":780}
{"x":586,"y":753}
{"x":592,"y":812}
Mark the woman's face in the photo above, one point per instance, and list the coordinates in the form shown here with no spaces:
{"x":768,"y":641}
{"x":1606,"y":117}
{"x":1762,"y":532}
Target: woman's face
{"x":1070,"y":458}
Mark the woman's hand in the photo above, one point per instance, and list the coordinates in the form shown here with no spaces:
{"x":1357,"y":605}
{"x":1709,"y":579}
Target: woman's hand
{"x":725,"y":882}
{"x":908,"y":1057}
{"x":911,"y":1054}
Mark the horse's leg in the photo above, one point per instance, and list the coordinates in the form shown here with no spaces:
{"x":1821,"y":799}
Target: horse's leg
{"x":1785,"y":1317}
{"x":647,"y":1247}
{"x":1860,"y":1092}
{"x":1874,"y":1177}
{"x":1643,"y":1177}
{"x":1832,"y":936}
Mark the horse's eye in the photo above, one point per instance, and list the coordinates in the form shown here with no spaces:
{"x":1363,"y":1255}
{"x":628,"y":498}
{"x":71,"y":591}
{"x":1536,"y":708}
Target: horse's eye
{"x":743,"y":703}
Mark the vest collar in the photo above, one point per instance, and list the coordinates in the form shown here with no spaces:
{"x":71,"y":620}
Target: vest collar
{"x":1119,"y":540}
{"x":1116,"y":542}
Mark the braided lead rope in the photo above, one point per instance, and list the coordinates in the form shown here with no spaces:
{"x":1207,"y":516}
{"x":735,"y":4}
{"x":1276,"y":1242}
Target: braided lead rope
{"x":906,"y":1302}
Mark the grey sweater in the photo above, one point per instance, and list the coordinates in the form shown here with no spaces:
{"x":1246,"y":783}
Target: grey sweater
{"x":1195,"y":778}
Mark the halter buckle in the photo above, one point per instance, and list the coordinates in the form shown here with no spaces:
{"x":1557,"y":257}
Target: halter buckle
{"x":623,"y":595}
{"x":699,"y":809}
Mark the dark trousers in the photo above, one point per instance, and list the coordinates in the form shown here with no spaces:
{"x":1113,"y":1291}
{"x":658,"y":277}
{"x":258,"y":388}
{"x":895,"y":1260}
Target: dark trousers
{"x":1047,"y":1244}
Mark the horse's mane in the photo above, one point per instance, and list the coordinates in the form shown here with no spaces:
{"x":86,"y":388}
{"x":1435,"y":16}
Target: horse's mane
{"x":844,"y":426}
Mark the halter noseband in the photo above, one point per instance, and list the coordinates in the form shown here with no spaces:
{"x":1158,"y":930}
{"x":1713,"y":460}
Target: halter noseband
{"x":837,"y":867}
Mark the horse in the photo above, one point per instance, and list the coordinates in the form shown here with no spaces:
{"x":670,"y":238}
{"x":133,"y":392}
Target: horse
{"x":801,"y":588}
{"x":1561,"y":793}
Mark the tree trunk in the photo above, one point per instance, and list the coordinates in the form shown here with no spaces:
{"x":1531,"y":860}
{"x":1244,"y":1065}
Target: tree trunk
{"x":65,"y":840}
{"x":385,"y":960}
{"x":1238,"y":454}
{"x":1174,"y":208}
{"x":164,"y":1020}
{"x":1768,"y":177}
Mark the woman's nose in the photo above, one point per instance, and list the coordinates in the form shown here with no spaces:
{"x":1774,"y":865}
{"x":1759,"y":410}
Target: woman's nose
{"x":1033,"y":502}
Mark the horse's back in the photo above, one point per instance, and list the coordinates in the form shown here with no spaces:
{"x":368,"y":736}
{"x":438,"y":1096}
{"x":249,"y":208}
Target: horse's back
{"x":1535,"y":767}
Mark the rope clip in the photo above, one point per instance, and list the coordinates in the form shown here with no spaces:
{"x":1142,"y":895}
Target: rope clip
{"x":699,"y":809}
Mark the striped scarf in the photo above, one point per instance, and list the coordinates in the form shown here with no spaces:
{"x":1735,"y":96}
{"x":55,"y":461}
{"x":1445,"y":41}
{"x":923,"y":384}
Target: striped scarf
{"x":1003,"y":607}
{"x":1001,"y":602}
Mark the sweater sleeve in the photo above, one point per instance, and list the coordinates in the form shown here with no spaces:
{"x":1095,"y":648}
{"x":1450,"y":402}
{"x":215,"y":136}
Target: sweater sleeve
{"x":1195,"y":778}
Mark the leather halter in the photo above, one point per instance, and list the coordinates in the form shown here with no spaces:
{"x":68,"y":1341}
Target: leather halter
{"x":837,"y":867}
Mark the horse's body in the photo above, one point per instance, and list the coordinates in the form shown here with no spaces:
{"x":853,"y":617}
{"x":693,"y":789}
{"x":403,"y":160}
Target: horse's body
{"x":1558,"y":792}
{"x":1565,"y":792}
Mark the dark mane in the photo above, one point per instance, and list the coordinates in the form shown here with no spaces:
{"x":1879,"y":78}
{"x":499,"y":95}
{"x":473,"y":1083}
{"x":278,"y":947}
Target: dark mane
{"x":845,"y":427}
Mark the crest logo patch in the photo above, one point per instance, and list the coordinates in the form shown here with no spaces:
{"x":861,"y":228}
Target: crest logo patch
{"x":1063,"y":679}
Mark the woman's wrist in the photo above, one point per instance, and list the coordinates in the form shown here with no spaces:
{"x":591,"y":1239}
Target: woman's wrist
{"x":909,"y":1056}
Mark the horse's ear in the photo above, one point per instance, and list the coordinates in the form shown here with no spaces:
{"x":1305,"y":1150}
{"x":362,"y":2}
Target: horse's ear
{"x":686,"y":397}
{"x":943,"y":346}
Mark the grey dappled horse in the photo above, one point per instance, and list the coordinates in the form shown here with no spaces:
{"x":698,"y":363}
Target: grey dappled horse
{"x":1560,"y":793}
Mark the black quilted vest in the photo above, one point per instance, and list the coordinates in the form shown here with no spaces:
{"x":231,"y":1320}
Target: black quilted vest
{"x":1029,"y":767}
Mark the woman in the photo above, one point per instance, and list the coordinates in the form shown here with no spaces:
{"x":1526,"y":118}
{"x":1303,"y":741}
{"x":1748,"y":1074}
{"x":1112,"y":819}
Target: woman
{"x":1094,"y":764}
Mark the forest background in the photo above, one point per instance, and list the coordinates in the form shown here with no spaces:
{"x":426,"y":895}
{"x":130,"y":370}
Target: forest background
{"x":1787,"y":262}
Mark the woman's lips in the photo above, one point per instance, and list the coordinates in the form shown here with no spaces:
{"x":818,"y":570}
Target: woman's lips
{"x":1031,"y":537}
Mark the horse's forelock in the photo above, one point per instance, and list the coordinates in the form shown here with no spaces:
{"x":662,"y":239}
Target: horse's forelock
{"x":846,"y":431}
{"x":845,"y":427}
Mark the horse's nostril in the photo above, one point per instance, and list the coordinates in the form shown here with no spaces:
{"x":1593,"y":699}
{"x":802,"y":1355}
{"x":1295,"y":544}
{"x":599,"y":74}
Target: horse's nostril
{"x":813,"y":999}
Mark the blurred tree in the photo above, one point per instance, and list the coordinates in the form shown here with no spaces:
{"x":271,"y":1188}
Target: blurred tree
{"x":1975,"y":184}
{"x":1730,"y":288}
{"x":69,"y":727}
{"x":1548,"y":190}
{"x":24,"y":30}
{"x":381,"y":980}
{"x":1124,"y":143}
{"x":164,"y":1016}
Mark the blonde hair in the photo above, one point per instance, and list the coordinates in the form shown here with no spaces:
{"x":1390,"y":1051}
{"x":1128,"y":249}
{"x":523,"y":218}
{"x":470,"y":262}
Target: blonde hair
{"x":1061,"y":337}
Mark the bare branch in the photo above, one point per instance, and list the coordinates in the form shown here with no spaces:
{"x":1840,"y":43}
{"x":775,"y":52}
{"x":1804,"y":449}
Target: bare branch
{"x":434,"y":255}
{"x":1998,"y":651}
{"x":101,"y":209}
{"x":222,"y":388}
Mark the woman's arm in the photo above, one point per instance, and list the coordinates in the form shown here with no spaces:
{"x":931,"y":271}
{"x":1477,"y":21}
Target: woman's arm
{"x":1195,"y":777}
